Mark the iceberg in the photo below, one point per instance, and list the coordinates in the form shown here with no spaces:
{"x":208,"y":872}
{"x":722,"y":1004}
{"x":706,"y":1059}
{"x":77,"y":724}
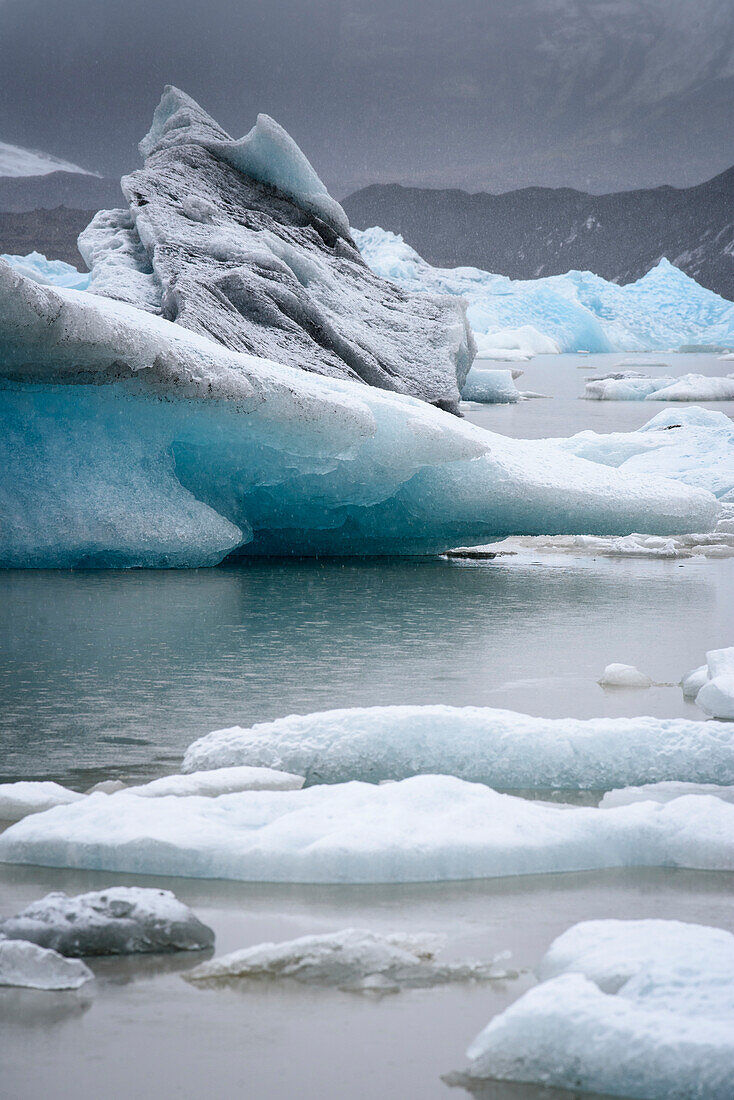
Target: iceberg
{"x":25,"y":797}
{"x":664,"y":792}
{"x":122,"y":920}
{"x":712,"y":685}
{"x":353,"y":959}
{"x":239,"y":241}
{"x":490,"y":386}
{"x":24,"y":964}
{"x":624,"y":676}
{"x":128,"y":440}
{"x":52,"y":272}
{"x":499,"y":748}
{"x":430,"y":828}
{"x":578,"y":311}
{"x":219,"y":781}
{"x":625,"y":1008}
{"x":689,"y":387}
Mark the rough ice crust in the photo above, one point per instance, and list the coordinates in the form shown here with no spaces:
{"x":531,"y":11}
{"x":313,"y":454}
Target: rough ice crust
{"x":353,"y":959}
{"x":123,"y":920}
{"x":131,"y":441}
{"x":426,"y":829}
{"x":240,"y":241}
{"x":500,"y":748}
{"x":578,"y":311}
{"x":625,"y":1008}
{"x":25,"y":797}
{"x":32,"y":967}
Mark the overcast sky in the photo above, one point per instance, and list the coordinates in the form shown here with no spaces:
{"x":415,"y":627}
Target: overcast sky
{"x":480,"y":94}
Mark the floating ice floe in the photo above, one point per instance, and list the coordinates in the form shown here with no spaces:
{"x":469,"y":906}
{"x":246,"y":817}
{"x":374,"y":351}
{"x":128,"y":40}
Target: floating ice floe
{"x":493,"y":387}
{"x":500,"y":748}
{"x":664,"y":792}
{"x":353,"y":959}
{"x":25,"y":797}
{"x":624,"y":676}
{"x":128,"y":440}
{"x":426,"y":829}
{"x":239,"y":241}
{"x":689,"y":387}
{"x":122,"y":920}
{"x":32,"y":967}
{"x":578,"y":311}
{"x":218,"y":781}
{"x":53,"y":272}
{"x":625,"y":1008}
{"x":712,"y":685}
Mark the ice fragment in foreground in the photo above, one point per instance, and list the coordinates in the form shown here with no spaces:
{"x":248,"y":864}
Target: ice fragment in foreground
{"x":25,"y":964}
{"x":625,"y":1008}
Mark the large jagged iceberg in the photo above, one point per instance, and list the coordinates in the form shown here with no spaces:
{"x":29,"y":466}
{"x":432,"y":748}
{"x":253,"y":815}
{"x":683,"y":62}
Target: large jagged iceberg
{"x":128,"y":440}
{"x":426,"y":829}
{"x":241,"y":242}
{"x":625,"y":1008}
{"x":579,"y":311}
{"x":479,"y":744}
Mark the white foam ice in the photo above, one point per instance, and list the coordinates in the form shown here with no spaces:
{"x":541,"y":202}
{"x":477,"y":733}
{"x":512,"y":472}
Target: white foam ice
{"x":664,"y":792}
{"x":624,"y":676}
{"x":625,"y":1008}
{"x":353,"y":958}
{"x":27,"y":965}
{"x":121,"y":920}
{"x":500,"y":748}
{"x":25,"y":797}
{"x":425,"y":829}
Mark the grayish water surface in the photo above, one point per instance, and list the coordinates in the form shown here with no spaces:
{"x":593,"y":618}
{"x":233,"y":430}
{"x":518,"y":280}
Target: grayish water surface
{"x":115,"y":673}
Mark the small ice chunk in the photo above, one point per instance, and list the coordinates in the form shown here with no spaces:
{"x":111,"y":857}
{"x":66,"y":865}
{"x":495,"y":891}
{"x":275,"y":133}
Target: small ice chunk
{"x":716,"y":696}
{"x":25,"y":964}
{"x":492,"y":387}
{"x":122,"y":920}
{"x":353,"y":959}
{"x":107,"y":786}
{"x":626,"y":1008}
{"x":17,"y":800}
{"x":624,"y":676}
{"x":219,"y":781}
{"x":693,"y":681}
{"x":663,"y":792}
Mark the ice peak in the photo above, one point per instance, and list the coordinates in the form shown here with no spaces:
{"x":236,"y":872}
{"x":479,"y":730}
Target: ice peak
{"x":179,"y":120}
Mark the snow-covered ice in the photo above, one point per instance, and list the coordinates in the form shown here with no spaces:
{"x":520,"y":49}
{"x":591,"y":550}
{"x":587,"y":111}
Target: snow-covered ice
{"x":27,"y":965}
{"x":122,"y":920}
{"x":500,"y":748}
{"x":578,"y":311}
{"x":514,"y":345}
{"x":25,"y":797}
{"x":239,"y":241}
{"x":219,"y":781}
{"x":624,"y":676}
{"x":353,"y":959}
{"x":490,"y":386}
{"x":688,"y":387}
{"x":425,"y":829}
{"x":143,"y":460}
{"x":664,"y":792}
{"x":714,"y":682}
{"x":625,"y":1008}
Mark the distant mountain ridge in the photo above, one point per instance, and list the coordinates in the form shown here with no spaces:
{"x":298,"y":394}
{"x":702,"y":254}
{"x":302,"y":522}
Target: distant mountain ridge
{"x":74,"y":190}
{"x":539,"y":231}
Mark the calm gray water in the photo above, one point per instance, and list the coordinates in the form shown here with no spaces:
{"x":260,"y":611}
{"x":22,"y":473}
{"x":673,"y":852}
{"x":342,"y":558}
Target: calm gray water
{"x":115,"y":673}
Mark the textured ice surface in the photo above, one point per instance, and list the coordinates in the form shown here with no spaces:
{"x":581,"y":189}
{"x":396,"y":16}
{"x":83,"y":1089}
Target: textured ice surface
{"x":131,"y":441}
{"x":490,"y":386}
{"x":480,"y":744}
{"x":579,"y":311}
{"x":714,"y":682}
{"x":25,"y":964}
{"x":25,"y":797}
{"x":220,"y":781}
{"x":353,"y":959}
{"x":625,"y":1008}
{"x":663,"y":792}
{"x":122,"y":920}
{"x":53,"y":272}
{"x":425,"y":829}
{"x":689,"y":387}
{"x":624,"y":676}
{"x":240,"y":242}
